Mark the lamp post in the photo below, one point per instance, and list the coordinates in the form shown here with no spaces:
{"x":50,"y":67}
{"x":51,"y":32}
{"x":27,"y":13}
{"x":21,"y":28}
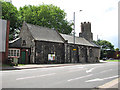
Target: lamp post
{"x":74,"y":27}
{"x":74,"y":49}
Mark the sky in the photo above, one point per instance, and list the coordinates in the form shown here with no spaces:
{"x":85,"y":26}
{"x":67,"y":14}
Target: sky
{"x":103,"y":15}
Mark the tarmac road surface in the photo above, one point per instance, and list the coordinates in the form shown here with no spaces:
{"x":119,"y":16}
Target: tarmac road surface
{"x":76,"y":76}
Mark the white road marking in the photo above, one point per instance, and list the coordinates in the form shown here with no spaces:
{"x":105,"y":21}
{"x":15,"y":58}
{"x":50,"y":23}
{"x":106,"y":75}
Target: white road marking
{"x":90,"y":70}
{"x":106,"y":70}
{"x":36,"y":76}
{"x":75,"y":67}
{"x":98,"y":79}
{"x":60,"y":67}
{"x":12,"y":71}
{"x":111,"y":77}
{"x":18,"y":70}
{"x":79,"y":77}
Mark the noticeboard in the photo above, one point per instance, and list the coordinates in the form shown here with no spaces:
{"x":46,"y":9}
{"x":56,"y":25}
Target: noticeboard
{"x":51,"y":57}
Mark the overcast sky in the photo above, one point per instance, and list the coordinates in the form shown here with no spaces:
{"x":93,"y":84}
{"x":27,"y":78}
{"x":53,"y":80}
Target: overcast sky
{"x":103,"y":15}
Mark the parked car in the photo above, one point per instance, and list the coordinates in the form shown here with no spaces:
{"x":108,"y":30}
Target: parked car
{"x":110,"y":58}
{"x":105,"y":58}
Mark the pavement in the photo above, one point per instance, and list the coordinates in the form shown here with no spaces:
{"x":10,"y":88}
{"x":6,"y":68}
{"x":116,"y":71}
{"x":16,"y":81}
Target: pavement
{"x":112,"y":84}
{"x":32,"y":66}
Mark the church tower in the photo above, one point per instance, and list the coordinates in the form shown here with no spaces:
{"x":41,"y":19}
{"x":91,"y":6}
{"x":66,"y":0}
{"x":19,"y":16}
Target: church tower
{"x":86,"y":31}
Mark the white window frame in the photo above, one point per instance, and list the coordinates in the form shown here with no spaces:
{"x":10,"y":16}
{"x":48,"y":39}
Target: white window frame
{"x":15,"y":52}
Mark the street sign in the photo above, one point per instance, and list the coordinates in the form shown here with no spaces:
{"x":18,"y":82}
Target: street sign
{"x":74,"y":49}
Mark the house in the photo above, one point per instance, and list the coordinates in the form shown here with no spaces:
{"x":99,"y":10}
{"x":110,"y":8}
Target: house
{"x":17,"y":51}
{"x":84,"y":50}
{"x":81,"y":52}
{"x":42,"y":45}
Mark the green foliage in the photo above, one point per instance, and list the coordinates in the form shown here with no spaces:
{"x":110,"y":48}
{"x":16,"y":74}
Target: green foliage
{"x":1,"y":0}
{"x":10,"y":12}
{"x":105,"y":46}
{"x":117,"y":49}
{"x":113,"y":60}
{"x":43,"y":15}
{"x":47,"y":16}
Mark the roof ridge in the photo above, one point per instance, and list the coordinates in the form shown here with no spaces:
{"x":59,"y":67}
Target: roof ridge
{"x":39,"y":26}
{"x":14,"y":40}
{"x":71,"y":35}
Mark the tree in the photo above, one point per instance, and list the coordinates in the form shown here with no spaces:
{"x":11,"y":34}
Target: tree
{"x":10,"y":12}
{"x":1,"y":0}
{"x":106,"y":47}
{"x":117,"y":49}
{"x":47,"y":16}
{"x":117,"y":53}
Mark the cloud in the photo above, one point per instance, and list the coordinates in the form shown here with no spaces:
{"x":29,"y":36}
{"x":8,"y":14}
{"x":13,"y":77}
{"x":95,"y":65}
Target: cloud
{"x":110,"y":9}
{"x":103,"y":14}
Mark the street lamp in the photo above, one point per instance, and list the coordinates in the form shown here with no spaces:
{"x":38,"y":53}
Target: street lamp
{"x":74,"y":26}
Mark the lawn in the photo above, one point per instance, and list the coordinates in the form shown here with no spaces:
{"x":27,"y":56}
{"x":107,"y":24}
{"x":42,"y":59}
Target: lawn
{"x":113,"y":60}
{"x":21,"y":64}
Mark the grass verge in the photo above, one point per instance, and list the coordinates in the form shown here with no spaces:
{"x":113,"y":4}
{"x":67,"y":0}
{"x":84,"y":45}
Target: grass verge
{"x":21,"y":64}
{"x":113,"y":60}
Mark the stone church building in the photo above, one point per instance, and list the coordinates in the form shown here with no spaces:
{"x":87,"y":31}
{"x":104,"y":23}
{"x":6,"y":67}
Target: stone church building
{"x":42,"y":45}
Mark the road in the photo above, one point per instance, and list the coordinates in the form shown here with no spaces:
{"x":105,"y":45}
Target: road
{"x":76,"y":76}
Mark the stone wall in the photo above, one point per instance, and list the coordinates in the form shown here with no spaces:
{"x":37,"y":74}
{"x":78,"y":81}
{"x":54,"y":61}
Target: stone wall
{"x":86,"y":31}
{"x":44,"y":48}
{"x":81,"y":54}
{"x":64,"y":52}
{"x":27,"y":41}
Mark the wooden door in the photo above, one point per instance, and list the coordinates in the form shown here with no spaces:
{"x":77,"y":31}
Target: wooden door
{"x":23,"y":57}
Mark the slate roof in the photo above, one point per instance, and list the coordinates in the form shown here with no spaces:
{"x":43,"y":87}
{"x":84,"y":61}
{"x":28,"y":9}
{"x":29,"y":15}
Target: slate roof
{"x":95,"y":44}
{"x":47,"y":34}
{"x":78,"y":40}
{"x":44,"y":34}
